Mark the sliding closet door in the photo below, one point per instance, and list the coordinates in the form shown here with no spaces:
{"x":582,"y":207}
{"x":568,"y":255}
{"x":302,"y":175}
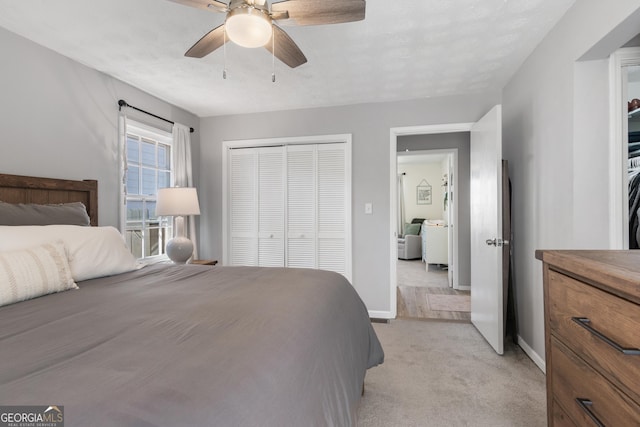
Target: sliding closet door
{"x":243,"y":208}
{"x":271,"y":208}
{"x":301,"y":206}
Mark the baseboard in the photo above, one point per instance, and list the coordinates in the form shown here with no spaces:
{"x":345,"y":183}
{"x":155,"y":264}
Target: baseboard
{"x":463,"y":288}
{"x":374,"y":314}
{"x":539,"y":361}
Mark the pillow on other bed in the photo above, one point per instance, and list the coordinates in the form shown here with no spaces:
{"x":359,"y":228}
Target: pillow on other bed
{"x":93,"y":251}
{"x":32,"y":214}
{"x":33,"y":272}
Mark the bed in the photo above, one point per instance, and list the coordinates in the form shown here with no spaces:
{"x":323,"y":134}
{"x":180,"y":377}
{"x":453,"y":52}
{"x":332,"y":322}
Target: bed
{"x":185,"y":345}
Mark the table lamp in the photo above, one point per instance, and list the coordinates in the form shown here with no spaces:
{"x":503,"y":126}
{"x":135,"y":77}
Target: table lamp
{"x":178,"y":202}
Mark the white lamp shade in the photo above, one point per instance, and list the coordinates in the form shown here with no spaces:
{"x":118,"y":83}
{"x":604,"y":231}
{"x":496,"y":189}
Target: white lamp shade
{"x":177,"y":201}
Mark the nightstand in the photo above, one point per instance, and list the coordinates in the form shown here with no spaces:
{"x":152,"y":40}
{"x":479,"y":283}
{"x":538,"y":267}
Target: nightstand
{"x":204,"y":262}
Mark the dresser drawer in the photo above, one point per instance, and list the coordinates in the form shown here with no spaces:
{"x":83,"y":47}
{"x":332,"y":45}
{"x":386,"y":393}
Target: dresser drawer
{"x":573,"y":379}
{"x":560,"y":418}
{"x":613,"y":317}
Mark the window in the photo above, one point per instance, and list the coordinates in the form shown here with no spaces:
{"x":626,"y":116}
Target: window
{"x":148,"y":169}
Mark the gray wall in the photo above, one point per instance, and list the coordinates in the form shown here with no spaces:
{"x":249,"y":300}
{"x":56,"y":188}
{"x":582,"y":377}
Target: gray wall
{"x":459,"y":140}
{"x":370,"y":125}
{"x":555,"y":133}
{"x":59,"y":119}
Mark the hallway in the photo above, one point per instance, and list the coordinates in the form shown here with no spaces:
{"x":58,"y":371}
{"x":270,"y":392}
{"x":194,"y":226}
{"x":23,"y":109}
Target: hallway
{"x":426,"y":294}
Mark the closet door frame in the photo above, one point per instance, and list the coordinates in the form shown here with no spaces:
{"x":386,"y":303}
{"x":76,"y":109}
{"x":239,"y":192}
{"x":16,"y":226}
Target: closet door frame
{"x":618,"y":146}
{"x":227,"y":146}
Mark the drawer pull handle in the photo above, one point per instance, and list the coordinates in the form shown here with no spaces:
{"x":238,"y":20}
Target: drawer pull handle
{"x":584,"y":322}
{"x":586,"y":404}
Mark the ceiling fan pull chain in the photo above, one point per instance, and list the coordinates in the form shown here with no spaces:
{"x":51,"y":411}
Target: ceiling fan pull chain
{"x":273,"y":54}
{"x":224,"y":48}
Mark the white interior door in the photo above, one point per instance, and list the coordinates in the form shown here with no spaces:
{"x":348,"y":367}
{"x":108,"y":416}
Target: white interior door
{"x":301,"y":206}
{"x":243,"y":231}
{"x":332,"y":208}
{"x":451,"y":220}
{"x":487,"y":311}
{"x":271,"y":212}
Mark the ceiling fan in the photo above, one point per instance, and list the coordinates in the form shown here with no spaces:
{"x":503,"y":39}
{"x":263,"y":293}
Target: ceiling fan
{"x":252,"y":23}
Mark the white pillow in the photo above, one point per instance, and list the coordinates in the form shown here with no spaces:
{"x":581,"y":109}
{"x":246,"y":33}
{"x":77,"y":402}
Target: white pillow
{"x":93,"y":251}
{"x":33,"y":272}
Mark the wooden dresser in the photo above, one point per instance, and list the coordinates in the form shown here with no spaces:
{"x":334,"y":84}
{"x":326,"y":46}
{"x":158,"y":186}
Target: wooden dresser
{"x":592,"y":332}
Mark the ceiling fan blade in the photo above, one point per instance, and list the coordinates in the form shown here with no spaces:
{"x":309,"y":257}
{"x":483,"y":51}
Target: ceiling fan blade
{"x":315,"y":12}
{"x":212,"y":5}
{"x":287,"y":50}
{"x":208,"y":43}
{"x":279,"y":15}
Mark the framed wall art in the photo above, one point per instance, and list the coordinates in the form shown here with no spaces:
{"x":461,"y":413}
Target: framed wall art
{"x":424,"y":193}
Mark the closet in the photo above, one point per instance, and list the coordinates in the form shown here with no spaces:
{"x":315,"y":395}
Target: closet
{"x":634,"y":189}
{"x":633,"y":166}
{"x":289,"y":206}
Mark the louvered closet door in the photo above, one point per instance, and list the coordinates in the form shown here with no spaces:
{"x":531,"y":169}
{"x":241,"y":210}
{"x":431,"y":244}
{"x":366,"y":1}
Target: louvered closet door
{"x":271,"y":206}
{"x":243,"y":207}
{"x":301,"y":206}
{"x":332,"y":208}
{"x":291,"y":207}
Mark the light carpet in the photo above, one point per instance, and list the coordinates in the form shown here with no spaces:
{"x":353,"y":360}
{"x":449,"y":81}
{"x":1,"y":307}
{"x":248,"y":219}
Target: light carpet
{"x":444,"y":374}
{"x":449,"y":302}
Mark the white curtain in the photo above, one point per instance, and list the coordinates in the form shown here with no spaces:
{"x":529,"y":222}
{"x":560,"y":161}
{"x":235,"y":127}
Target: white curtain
{"x":122,"y":170}
{"x":183,"y":175}
{"x":401,"y":212}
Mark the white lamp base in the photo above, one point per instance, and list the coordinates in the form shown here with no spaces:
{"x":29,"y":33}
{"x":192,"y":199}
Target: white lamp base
{"x":179,"y":249}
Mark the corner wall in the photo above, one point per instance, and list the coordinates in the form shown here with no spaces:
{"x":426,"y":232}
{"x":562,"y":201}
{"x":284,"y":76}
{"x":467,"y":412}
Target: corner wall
{"x":60,"y":119}
{"x":555,"y":137}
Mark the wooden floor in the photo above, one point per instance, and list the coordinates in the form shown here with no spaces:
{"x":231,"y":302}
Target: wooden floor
{"x":412,"y":304}
{"x":415,"y":281}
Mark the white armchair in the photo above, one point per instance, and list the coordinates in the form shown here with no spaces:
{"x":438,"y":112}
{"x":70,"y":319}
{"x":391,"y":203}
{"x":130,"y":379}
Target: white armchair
{"x":410,"y":247}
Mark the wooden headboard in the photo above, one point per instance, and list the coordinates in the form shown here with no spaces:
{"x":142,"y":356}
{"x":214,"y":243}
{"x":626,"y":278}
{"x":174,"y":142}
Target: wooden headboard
{"x":42,"y":191}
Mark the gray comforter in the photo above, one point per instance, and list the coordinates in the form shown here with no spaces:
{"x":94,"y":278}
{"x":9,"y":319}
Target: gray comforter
{"x":192,"y":346}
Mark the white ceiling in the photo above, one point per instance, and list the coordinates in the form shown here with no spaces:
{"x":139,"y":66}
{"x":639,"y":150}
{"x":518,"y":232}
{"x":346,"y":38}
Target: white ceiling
{"x":404,"y":49}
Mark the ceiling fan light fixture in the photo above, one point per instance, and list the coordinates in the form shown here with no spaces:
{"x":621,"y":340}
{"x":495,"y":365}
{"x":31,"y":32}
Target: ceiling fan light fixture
{"x":248,"y":27}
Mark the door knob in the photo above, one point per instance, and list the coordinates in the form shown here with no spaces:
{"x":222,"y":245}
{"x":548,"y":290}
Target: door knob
{"x":497,"y":242}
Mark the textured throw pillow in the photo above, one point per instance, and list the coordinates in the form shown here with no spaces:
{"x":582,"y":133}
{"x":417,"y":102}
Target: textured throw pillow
{"x":32,"y":214}
{"x":413,"y":229}
{"x":33,"y":272}
{"x":93,"y":251}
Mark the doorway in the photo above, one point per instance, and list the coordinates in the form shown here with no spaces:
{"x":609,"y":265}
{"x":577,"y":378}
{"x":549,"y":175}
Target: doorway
{"x":458,"y":257}
{"x":633,"y":154}
{"x":426,"y":219}
{"x":625,"y":118}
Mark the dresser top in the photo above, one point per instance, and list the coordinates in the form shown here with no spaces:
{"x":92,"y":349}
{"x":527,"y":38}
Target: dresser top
{"x":617,"y":272}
